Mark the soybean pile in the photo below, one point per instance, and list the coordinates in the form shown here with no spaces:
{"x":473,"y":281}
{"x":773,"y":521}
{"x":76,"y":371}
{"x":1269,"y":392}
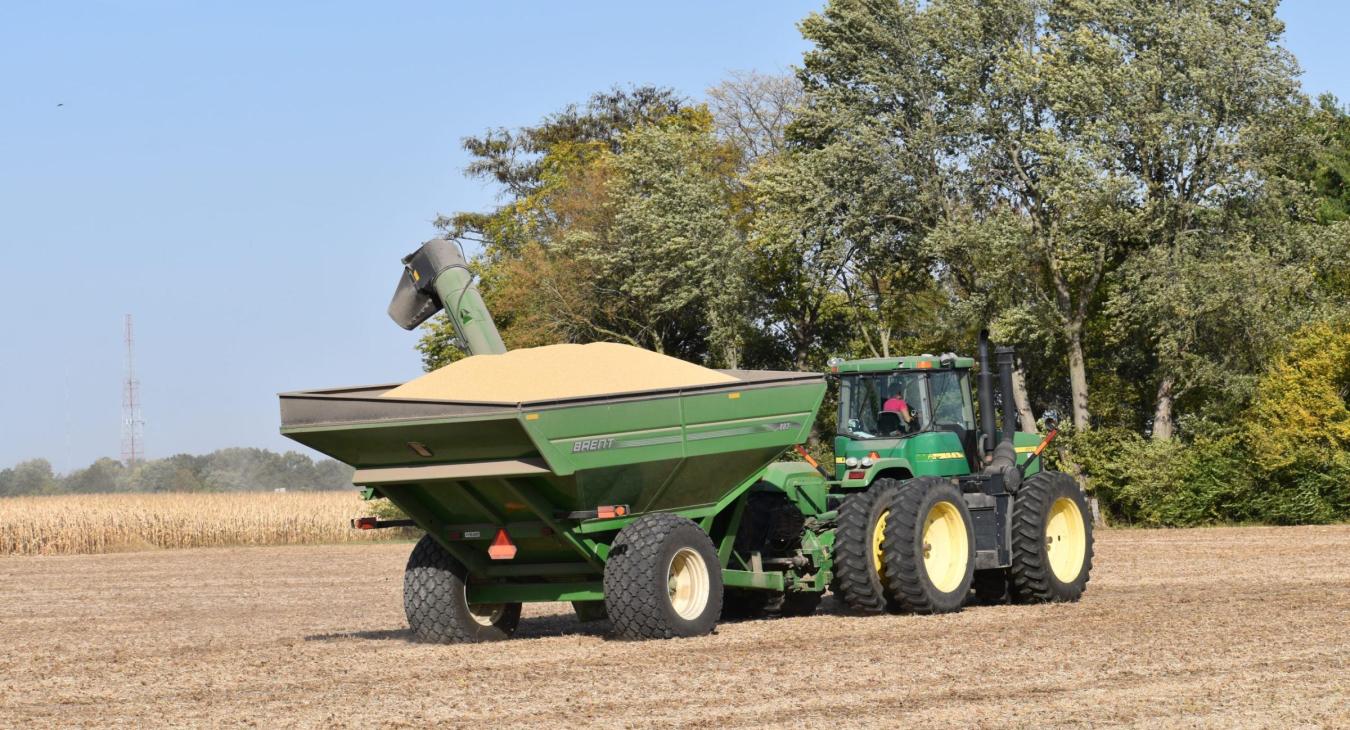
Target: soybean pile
{"x":556,"y":372}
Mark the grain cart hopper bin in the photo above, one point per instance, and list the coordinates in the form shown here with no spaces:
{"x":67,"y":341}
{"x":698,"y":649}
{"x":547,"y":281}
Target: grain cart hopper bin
{"x":627,"y":499}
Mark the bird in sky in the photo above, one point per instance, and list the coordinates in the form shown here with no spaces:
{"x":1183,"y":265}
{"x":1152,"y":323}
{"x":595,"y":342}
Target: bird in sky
{"x":61,"y":104}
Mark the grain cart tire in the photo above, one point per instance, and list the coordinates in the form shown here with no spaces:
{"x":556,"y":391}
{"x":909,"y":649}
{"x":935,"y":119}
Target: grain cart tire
{"x":929,"y":547}
{"x":436,"y":602}
{"x":588,"y":611}
{"x":990,"y":587}
{"x":1051,"y":540}
{"x":662,"y":579}
{"x":858,"y":565}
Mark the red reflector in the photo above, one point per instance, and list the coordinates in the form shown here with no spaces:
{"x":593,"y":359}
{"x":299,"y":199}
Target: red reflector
{"x":857,"y":475}
{"x":365,"y":523}
{"x":610,"y":511}
{"x":873,"y":456}
{"x":502,"y":548}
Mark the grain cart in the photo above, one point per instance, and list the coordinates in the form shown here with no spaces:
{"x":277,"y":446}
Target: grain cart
{"x":667,"y":509}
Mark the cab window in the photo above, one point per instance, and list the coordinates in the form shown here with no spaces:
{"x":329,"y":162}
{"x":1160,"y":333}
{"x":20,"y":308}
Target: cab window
{"x":951,"y":400}
{"x":864,"y":401}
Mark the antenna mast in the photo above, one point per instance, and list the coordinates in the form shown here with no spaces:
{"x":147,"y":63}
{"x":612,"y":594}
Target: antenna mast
{"x":133,"y":438}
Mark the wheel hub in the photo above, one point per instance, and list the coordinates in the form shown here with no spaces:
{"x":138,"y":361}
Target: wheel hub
{"x":687,"y":583}
{"x":946,"y":547}
{"x":1065,"y":539}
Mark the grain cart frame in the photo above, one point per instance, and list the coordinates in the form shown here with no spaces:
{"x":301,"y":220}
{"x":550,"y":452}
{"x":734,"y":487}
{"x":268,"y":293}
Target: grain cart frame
{"x":667,"y":509}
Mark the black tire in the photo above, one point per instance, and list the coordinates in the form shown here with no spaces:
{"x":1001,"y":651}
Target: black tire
{"x":638,"y":587}
{"x":860,"y":584}
{"x":990,"y":587}
{"x":911,"y":586}
{"x":1038,"y":574}
{"x":588,"y":611}
{"x":436,"y":602}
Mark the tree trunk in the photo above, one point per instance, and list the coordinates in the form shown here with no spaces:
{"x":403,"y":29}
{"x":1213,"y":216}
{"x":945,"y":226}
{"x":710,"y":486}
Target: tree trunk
{"x":1078,"y":379}
{"x":1164,"y":425}
{"x":1025,"y":416}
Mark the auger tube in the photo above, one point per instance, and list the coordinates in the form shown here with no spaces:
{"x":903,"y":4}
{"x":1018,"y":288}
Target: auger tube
{"x":436,"y":277}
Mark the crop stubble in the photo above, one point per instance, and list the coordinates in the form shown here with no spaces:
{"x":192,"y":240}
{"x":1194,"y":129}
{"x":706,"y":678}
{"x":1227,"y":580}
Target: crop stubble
{"x":1213,"y":627}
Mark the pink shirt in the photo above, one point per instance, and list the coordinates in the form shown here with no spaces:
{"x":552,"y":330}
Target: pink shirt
{"x":895,"y":404}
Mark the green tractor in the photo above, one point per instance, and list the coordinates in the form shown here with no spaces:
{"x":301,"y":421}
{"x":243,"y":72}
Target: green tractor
{"x":936,"y":509}
{"x":666,"y":510}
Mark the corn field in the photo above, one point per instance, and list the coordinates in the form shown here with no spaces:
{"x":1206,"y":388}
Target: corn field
{"x":103,"y":523}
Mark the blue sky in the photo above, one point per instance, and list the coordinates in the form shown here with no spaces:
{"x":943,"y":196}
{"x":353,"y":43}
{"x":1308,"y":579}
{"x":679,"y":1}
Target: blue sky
{"x":242,"y":177}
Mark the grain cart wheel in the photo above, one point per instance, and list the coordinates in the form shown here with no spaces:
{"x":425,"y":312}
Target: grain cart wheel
{"x":858,"y":566}
{"x":662,"y":579}
{"x":930,"y":547}
{"x":436,"y":602}
{"x":1051,"y":540}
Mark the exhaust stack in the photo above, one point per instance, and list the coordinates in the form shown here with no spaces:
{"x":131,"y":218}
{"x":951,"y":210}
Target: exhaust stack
{"x":1006,"y":364}
{"x":437,"y":277}
{"x":986,"y":396}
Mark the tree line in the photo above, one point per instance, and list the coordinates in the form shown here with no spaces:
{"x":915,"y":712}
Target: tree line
{"x":225,"y":470}
{"x":1136,"y":194}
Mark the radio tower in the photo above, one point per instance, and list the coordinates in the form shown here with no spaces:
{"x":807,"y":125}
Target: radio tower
{"x":133,"y":439}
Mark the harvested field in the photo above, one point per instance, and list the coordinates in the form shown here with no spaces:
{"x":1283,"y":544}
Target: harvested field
{"x":1194,"y":628}
{"x":102,"y":523}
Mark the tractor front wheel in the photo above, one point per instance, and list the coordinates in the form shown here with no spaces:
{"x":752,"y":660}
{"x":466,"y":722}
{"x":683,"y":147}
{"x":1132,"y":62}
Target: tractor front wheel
{"x":859,"y":569}
{"x":662,"y":579}
{"x":930,"y":547}
{"x":1051,"y":540}
{"x":435,"y":600}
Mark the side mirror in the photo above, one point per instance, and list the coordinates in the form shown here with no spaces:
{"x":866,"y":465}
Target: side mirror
{"x":1051,"y":419}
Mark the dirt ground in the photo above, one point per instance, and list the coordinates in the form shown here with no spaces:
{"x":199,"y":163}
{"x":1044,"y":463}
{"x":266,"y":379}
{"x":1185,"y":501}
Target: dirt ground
{"x":1194,"y":628}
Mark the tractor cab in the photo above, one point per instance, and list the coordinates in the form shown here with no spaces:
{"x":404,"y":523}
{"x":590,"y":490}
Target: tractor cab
{"x":908,"y":414}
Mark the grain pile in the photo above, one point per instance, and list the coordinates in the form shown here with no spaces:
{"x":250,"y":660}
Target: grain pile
{"x":557,"y":371}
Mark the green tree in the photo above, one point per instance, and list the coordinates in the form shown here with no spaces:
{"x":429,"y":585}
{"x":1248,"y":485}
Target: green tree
{"x":1327,"y":167}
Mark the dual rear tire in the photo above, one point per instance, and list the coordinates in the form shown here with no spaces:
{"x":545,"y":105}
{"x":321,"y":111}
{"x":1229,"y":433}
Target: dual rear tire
{"x":905,"y":547}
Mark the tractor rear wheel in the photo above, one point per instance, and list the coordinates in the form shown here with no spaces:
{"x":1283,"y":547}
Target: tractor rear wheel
{"x":435,"y":600}
{"x":858,"y":566}
{"x":1051,"y":540}
{"x":930,"y":547}
{"x":662,"y":579}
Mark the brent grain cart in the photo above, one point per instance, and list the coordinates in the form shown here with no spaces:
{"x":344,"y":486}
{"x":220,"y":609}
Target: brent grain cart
{"x":664,"y":509}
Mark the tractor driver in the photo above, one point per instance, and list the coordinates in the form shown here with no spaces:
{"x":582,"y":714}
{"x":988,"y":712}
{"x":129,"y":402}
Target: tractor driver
{"x":896,"y":404}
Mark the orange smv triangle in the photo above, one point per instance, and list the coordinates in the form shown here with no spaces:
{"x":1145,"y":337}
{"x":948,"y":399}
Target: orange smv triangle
{"x":502,"y":548}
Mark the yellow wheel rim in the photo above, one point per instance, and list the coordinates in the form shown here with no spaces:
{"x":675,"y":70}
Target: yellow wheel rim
{"x":1065,"y":539}
{"x":688,"y":584}
{"x":946,"y":549}
{"x":879,"y":536}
